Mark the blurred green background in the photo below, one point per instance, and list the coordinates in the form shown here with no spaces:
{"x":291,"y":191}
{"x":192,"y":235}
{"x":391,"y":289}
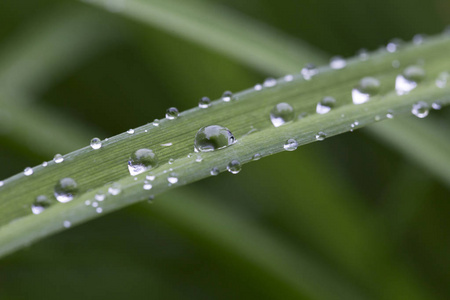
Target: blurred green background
{"x":347,"y":218}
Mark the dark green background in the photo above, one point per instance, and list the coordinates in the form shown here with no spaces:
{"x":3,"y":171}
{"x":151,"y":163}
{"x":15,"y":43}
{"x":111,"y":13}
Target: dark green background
{"x":349,"y":204}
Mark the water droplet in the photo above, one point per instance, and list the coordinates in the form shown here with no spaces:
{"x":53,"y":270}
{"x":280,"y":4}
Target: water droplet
{"x":204,"y":102}
{"x":325,"y":105}
{"x":258,"y":87}
{"x":65,"y":190}
{"x":338,"y":62}
{"x":226,"y":96}
{"x":320,"y":136}
{"x":166,"y":145}
{"x":28,"y":171}
{"x":234,"y":167}
{"x":40,"y":204}
{"x":142,"y":160}
{"x":257,"y":156}
{"x":281,"y":114}
{"x":390,"y":114}
{"x":420,"y":109}
{"x":96,"y":143}
{"x":172,"y":113}
{"x":44,"y":164}
{"x":436,"y":105}
{"x":270,"y":82}
{"x":67,"y":224}
{"x":147,"y":185}
{"x":94,"y":204}
{"x":171,"y":161}
{"x":156,"y":122}
{"x":368,"y":87}
{"x":150,"y":177}
{"x":58,"y":158}
{"x":173,"y":178}
{"x":288,"y":78}
{"x":130,"y":131}
{"x":442,"y":80}
{"x":214,"y":171}
{"x":418,"y":39}
{"x":393,"y":45}
{"x":114,"y":189}
{"x":199,"y":159}
{"x":1,"y":183}
{"x":406,"y":82}
{"x":87,"y":202}
{"x":99,"y":210}
{"x":309,"y":71}
{"x":100,"y":196}
{"x":213,"y":137}
{"x":290,"y":145}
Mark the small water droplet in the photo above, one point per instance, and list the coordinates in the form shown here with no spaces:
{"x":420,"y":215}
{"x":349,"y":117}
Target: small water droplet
{"x":173,"y":178}
{"x":156,"y":122}
{"x":258,"y":87}
{"x":150,"y":177}
{"x":290,"y":145}
{"x":270,"y":82}
{"x":442,"y":79}
{"x":363,"y":54}
{"x":393,"y":45}
{"x":28,"y":171}
{"x":87,"y":202}
{"x":288,"y":78}
{"x":338,"y":62}
{"x":214,"y":171}
{"x":94,"y":204}
{"x":309,"y":71}
{"x":199,"y":159}
{"x":172,"y":113}
{"x":40,"y":204}
{"x":114,"y":189}
{"x":44,"y":164}
{"x":58,"y":158}
{"x":171,"y":161}
{"x":65,"y":190}
{"x":99,"y":210}
{"x":408,"y":80}
{"x":204,"y":102}
{"x":213,"y":137}
{"x":418,"y":39}
{"x":100,"y":196}
{"x":130,"y":131}
{"x":420,"y":109}
{"x":320,"y":136}
{"x":147,"y":185}
{"x":436,"y":105}
{"x":67,"y":224}
{"x":142,"y":160}
{"x":234,"y":167}
{"x":390,"y":114}
{"x":166,"y":145}
{"x":226,"y":96}
{"x":377,"y":118}
{"x":368,"y":87}
{"x":96,"y":143}
{"x":325,"y":105}
{"x":1,"y":183}
{"x":257,"y":156}
{"x":281,"y":114}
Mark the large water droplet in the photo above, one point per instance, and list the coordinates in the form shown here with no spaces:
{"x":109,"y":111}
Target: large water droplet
{"x":408,"y":80}
{"x":226,"y":96}
{"x":130,"y":131}
{"x":442,"y":79}
{"x":281,"y":114}
{"x":96,"y":143}
{"x":28,"y":171}
{"x":309,"y":71}
{"x":420,"y":109}
{"x":142,"y":160}
{"x":65,"y":190}
{"x":338,"y":62}
{"x":40,"y":204}
{"x":204,"y":102}
{"x":234,"y":167}
{"x":325,"y":105}
{"x":368,"y":87}
{"x":58,"y":158}
{"x":156,"y":122}
{"x":213,"y":137}
{"x":172,"y":113}
{"x":290,"y":145}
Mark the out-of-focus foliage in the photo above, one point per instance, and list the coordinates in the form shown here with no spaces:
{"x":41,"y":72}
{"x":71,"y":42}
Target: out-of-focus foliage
{"x":363,"y":212}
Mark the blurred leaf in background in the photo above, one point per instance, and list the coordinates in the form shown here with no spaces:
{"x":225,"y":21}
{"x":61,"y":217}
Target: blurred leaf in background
{"x":349,"y":218}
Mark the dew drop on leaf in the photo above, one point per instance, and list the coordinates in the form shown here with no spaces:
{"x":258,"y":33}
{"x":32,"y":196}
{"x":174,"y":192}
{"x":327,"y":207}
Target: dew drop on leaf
{"x":281,"y":114}
{"x":325,"y":105}
{"x":65,"y":190}
{"x":367,"y":87}
{"x":420,"y":109}
{"x":213,"y":137}
{"x":40,"y":204}
{"x":290,"y":145}
{"x":408,"y":80}
{"x":96,"y":143}
{"x":234,"y":166}
{"x":141,"y":160}
{"x":172,"y":113}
